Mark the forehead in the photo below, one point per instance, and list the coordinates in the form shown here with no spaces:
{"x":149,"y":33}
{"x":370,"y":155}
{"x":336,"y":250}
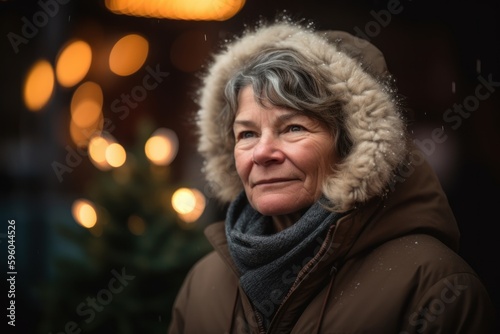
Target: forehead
{"x":249,"y":107}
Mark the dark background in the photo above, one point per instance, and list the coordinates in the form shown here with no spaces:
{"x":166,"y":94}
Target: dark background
{"x":430,"y":47}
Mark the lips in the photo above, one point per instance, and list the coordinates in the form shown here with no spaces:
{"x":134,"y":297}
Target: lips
{"x":272,"y":181}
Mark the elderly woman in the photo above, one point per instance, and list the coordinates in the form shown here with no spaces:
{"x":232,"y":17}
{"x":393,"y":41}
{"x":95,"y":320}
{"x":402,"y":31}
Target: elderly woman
{"x":336,"y":224}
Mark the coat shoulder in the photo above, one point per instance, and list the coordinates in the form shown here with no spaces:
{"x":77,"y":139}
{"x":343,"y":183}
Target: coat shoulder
{"x":206,"y":300}
{"x":426,"y":255}
{"x":420,"y":260}
{"x":399,"y":285}
{"x":211,"y":273}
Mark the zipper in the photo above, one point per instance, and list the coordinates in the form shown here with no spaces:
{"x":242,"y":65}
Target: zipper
{"x":260,"y":323}
{"x":308,"y":268}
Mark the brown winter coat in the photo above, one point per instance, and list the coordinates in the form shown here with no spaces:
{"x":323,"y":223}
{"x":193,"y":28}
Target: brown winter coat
{"x":390,"y":264}
{"x":390,"y":267}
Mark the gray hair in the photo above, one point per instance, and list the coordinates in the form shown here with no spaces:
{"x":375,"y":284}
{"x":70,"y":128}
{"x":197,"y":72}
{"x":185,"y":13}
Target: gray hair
{"x":283,"y":78}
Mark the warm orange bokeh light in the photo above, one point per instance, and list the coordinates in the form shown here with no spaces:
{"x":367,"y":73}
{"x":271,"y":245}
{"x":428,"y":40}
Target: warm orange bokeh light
{"x":87,"y":91}
{"x":128,"y":54}
{"x":161,"y":148}
{"x":115,"y":155}
{"x":97,"y":152}
{"x":84,"y":213}
{"x":86,"y":104}
{"x":73,"y":63}
{"x":81,"y":136}
{"x":211,"y":10}
{"x":86,"y":113}
{"x":39,"y":85}
{"x":188,"y":203}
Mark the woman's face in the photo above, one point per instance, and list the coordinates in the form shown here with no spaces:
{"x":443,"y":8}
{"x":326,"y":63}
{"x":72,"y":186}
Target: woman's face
{"x":282,"y":157}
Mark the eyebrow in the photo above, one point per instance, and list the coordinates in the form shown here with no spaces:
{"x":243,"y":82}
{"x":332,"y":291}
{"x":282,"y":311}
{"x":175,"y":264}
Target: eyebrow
{"x":243,"y":123}
{"x":283,"y":118}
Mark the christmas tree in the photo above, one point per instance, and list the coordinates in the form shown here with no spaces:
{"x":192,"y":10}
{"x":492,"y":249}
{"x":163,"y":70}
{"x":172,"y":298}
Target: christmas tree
{"x":136,"y":242}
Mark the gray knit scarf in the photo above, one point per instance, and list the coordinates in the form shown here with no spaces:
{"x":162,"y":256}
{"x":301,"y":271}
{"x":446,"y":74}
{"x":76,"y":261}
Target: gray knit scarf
{"x":269,"y":262}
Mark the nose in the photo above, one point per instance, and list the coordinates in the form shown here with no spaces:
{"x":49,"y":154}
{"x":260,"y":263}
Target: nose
{"x":268,"y":151}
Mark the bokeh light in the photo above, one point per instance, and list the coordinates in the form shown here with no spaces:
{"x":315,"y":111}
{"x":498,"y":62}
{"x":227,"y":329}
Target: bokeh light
{"x":86,"y":104}
{"x":39,"y":85}
{"x":115,"y":155}
{"x":87,"y":91}
{"x":128,"y":54}
{"x":189,"y":204}
{"x":97,"y":151}
{"x":161,"y":148}
{"x":82,"y":135}
{"x":84,"y":213}
{"x":216,"y":10}
{"x":73,"y":63}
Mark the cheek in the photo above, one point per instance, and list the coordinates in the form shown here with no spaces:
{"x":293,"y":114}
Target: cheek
{"x":242,"y":164}
{"x":326,"y":159}
{"x":320,"y":161}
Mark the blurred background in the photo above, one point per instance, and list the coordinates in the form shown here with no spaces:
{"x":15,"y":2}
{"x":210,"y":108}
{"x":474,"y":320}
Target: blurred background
{"x":99,"y":171}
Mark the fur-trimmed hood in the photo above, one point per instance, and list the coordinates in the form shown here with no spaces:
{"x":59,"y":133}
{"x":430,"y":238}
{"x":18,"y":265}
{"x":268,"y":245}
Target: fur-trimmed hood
{"x":357,"y":74}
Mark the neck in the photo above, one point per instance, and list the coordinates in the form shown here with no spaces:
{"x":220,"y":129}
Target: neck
{"x":281,"y":222}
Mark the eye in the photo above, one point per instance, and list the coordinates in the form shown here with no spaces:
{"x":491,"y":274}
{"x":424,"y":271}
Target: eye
{"x":295,"y":128}
{"x":246,"y":134}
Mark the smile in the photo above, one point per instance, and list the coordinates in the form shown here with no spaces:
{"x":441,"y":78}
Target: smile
{"x":272,"y":181}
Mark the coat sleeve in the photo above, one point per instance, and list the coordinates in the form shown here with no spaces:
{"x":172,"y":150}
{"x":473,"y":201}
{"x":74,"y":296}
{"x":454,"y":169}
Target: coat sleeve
{"x":179,"y":310}
{"x":458,"y":303}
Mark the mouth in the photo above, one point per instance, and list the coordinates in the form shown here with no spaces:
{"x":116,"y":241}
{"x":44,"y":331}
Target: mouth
{"x":272,"y":181}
